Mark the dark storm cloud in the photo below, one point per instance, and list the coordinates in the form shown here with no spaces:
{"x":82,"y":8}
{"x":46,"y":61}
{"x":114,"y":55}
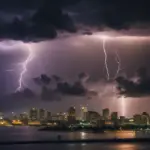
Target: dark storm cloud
{"x":75,"y":89}
{"x":42,"y":80}
{"x":65,"y":89}
{"x":116,"y":14}
{"x":43,"y":24}
{"x":139,"y":88}
{"x":15,"y":5}
{"x":26,"y":93}
{"x":49,"y":17}
{"x":62,"y":88}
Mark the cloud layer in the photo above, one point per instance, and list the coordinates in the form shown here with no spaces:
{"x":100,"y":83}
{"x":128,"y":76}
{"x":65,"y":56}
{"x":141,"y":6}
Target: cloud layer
{"x":40,"y":20}
{"x":137,"y":88}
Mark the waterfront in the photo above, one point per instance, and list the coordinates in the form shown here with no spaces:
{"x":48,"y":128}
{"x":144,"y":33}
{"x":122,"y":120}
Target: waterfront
{"x":15,"y":133}
{"x":26,"y":133}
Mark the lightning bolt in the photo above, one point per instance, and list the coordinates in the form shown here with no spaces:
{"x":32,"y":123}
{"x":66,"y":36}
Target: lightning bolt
{"x":24,"y":67}
{"x":118,"y":60}
{"x":106,"y":57}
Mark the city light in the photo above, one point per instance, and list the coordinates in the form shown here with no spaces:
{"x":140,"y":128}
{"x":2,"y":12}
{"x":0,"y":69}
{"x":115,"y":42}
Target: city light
{"x":70,"y":121}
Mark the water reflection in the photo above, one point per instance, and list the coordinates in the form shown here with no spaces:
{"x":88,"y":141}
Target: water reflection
{"x":83,"y":135}
{"x":125,"y":147}
{"x":125,"y":134}
{"x":108,"y":146}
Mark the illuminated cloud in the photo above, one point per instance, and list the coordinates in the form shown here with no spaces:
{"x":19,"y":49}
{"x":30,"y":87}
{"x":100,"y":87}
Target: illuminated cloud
{"x":138,"y":88}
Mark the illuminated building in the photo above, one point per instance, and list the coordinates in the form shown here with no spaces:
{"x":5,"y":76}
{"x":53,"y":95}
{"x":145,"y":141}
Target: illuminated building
{"x":42,"y":114}
{"x":92,"y":116}
{"x":84,"y":113}
{"x":144,"y":119}
{"x":17,"y":122}
{"x":109,"y":123}
{"x":24,"y":118}
{"x":14,"y":116}
{"x":48,"y":115}
{"x":52,"y":124}
{"x":114,"y":116}
{"x":33,"y":114}
{"x":137,"y":119}
{"x":72,"y":111}
{"x":34,"y":123}
{"x":71,"y":115}
{"x":54,"y":117}
{"x":122,"y":119}
{"x":61,"y":116}
{"x":106,"y":114}
{"x":66,"y":116}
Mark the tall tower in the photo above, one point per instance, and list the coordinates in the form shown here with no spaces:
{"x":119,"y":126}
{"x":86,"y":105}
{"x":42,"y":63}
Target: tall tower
{"x":114,"y":116}
{"x":71,"y":115}
{"x":42,"y":114}
{"x":106,"y":113}
{"x":33,"y":114}
{"x":84,"y":113}
{"x":48,"y":116}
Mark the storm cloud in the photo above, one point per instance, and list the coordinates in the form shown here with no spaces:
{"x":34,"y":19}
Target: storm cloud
{"x":42,"y":20}
{"x":40,"y":25}
{"x":138,"y":88}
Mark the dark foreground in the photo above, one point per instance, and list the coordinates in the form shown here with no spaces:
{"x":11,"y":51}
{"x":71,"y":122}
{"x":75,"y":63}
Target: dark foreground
{"x":79,"y":146}
{"x":132,"y":140}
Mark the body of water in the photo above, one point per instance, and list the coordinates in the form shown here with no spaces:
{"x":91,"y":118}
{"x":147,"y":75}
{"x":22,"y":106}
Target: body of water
{"x":32,"y":133}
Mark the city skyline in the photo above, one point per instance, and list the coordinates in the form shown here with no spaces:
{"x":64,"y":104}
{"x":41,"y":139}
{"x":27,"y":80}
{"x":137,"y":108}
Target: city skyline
{"x":71,"y":120}
{"x":78,"y":112}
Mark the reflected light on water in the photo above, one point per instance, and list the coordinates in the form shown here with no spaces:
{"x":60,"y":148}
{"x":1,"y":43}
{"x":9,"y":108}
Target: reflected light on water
{"x":126,"y":147}
{"x":83,"y":134}
{"x":125,"y":134}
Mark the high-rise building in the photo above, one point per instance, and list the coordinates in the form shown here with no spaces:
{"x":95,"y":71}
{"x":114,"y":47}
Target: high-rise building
{"x":114,"y":116}
{"x":61,"y":116}
{"x":14,"y":116}
{"x":94,"y":117}
{"x":122,"y":119}
{"x":71,"y":115}
{"x":106,"y":113}
{"x":137,"y":119}
{"x":48,"y":116}
{"x":145,"y":119}
{"x":84,"y":113}
{"x":72,"y":111}
{"x":33,"y":114}
{"x":42,"y":114}
{"x":23,"y":116}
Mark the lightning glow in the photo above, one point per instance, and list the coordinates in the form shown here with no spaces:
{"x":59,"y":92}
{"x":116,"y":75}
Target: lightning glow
{"x":118,"y":61}
{"x":123,"y":105}
{"x":106,"y":57}
{"x":24,"y":67}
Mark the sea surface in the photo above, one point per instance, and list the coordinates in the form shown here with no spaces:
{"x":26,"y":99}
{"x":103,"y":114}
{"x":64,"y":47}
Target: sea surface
{"x":32,"y":134}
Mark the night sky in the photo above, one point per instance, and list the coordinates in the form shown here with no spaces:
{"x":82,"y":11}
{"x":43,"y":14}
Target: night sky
{"x":67,"y":66}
